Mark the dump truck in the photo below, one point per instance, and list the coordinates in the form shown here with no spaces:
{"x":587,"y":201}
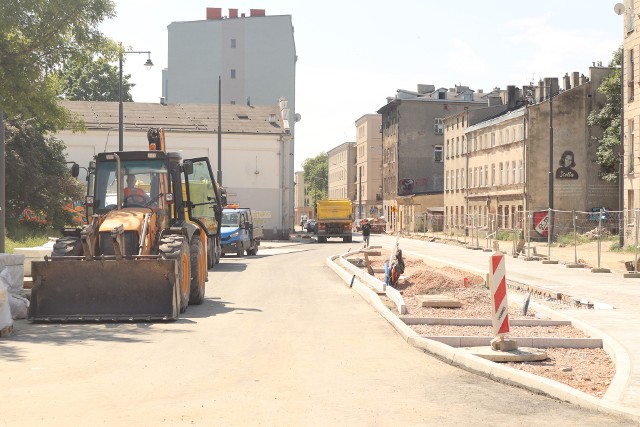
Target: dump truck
{"x":239,"y":233}
{"x":335,"y":217}
{"x":144,"y":255}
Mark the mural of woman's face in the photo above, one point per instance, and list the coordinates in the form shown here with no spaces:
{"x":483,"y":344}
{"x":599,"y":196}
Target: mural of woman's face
{"x":568,"y":160}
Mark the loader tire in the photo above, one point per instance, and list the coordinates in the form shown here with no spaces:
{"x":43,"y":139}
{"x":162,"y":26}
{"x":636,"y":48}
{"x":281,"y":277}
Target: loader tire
{"x":67,"y":246}
{"x":198,"y":271}
{"x":218,"y":250}
{"x":176,"y":247}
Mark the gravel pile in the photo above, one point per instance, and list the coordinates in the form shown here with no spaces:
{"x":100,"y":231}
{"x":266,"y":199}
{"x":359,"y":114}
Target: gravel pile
{"x":588,"y":370}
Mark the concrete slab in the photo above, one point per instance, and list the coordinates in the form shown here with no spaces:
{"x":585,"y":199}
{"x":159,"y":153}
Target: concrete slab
{"x":442,"y":301}
{"x":522,"y":354}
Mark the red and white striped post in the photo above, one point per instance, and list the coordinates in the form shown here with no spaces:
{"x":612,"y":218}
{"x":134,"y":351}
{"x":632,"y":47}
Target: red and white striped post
{"x":498,"y":288}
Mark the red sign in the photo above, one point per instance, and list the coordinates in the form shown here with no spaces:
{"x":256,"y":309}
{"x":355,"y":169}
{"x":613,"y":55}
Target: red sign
{"x":541,"y":222}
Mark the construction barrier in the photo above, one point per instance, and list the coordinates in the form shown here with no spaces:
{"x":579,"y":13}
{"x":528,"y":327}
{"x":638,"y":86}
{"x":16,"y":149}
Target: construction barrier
{"x":498,"y":289}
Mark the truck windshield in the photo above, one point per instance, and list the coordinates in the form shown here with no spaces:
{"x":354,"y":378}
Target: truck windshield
{"x":148,"y":176}
{"x":229,"y":219}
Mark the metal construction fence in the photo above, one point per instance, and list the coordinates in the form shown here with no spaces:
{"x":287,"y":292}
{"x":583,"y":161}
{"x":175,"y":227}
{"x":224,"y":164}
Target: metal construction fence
{"x":578,"y":239}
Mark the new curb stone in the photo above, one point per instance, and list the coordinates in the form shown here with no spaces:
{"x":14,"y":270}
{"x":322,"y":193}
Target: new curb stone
{"x":463,"y":359}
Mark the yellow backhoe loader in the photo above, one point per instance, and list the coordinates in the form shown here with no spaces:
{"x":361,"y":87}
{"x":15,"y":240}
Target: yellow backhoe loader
{"x":153,"y":231}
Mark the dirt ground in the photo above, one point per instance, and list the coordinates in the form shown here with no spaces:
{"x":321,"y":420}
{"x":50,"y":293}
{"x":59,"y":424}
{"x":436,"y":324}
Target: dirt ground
{"x":588,"y":370}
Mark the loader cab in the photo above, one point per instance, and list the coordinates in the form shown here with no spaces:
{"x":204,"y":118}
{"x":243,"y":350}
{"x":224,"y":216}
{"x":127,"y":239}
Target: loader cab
{"x":108,"y":180}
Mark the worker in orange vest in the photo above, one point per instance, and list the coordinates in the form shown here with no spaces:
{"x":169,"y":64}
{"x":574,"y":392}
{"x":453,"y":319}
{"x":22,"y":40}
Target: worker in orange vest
{"x":134,"y":194}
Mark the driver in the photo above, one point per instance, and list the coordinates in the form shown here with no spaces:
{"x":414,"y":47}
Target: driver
{"x":132,"y":191}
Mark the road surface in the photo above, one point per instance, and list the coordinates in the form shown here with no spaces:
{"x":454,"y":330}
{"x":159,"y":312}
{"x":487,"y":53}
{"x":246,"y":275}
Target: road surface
{"x":280,"y":340}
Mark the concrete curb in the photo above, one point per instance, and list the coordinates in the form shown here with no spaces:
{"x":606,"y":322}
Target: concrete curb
{"x":461,"y":358}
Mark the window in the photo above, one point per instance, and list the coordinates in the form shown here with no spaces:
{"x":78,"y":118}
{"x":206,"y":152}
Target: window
{"x":493,"y":174}
{"x":437,"y":153}
{"x":486,"y":175}
{"x":437,"y":126}
{"x":500,"y":176}
{"x":513,"y":175}
{"x":233,"y":43}
{"x":630,"y":83}
{"x":521,"y":171}
{"x":446,"y":180}
{"x":493,"y":139}
{"x":457,"y":146}
{"x":632,"y":142}
{"x":233,"y":73}
{"x":448,"y":152}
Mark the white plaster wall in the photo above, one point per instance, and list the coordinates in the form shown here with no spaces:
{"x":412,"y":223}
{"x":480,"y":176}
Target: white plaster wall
{"x":252,"y":171}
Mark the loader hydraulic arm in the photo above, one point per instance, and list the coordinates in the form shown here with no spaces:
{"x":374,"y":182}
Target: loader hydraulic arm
{"x":89,"y":236}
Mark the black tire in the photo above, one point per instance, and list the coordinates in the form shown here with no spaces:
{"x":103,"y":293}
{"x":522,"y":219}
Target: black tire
{"x":211,"y":253}
{"x":176,"y":247}
{"x":239,"y":253}
{"x":218,"y":249}
{"x":67,"y":246}
{"x":198,"y":272}
{"x":252,"y":249}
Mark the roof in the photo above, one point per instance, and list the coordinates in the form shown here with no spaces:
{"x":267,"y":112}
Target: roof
{"x":255,"y":119}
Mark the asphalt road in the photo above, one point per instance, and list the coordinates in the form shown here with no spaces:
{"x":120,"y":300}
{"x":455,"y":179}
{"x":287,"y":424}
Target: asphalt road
{"x":280,"y":340}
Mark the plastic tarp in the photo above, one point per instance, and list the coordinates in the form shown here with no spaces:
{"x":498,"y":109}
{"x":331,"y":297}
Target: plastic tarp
{"x":5,"y":311}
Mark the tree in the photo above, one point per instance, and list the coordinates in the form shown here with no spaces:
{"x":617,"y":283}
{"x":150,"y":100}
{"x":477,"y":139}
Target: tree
{"x":94,"y":80}
{"x":37,"y":38}
{"x":40,"y":179}
{"x":608,"y":118}
{"x":316,"y":177}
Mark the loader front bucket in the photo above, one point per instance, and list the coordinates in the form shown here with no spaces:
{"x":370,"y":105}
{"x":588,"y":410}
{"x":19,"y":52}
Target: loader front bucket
{"x":104,"y":290}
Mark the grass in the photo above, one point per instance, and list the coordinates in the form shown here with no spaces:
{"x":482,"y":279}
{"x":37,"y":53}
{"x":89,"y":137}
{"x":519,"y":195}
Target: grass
{"x":28,"y":242}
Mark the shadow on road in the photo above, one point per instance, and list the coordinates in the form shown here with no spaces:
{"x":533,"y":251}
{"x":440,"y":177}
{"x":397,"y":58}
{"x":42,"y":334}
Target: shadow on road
{"x":212,"y":307}
{"x":78,"y":334}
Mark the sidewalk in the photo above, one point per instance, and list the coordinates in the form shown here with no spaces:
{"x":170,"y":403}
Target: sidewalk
{"x":619,"y":327}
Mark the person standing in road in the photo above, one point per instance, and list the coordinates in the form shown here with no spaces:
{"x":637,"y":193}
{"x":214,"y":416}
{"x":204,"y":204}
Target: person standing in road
{"x":366,"y":232}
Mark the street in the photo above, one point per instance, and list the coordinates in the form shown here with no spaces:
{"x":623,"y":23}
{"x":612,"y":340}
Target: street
{"x":279,"y":340}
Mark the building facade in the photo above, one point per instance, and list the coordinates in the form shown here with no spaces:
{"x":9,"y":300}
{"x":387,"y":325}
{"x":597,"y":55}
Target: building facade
{"x":341,"y":172}
{"x":499,"y":167}
{"x":413,"y":149}
{"x":302,"y":208}
{"x":369,"y":166}
{"x":251,"y":56}
{"x":252,"y":146}
{"x":631,"y":113}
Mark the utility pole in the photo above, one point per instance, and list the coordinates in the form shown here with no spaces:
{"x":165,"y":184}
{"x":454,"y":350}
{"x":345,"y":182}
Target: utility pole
{"x":219,"y":131}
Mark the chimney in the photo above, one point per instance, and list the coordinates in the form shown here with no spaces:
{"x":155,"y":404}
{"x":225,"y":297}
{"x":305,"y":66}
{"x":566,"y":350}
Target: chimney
{"x":511,"y":96}
{"x":214,"y":13}
{"x":566,"y":82}
{"x":256,"y":12}
{"x":583,"y":79}
{"x":272,"y":118}
{"x":575,"y":79}
{"x":248,"y":101}
{"x":233,"y":13}
{"x":163,"y":100}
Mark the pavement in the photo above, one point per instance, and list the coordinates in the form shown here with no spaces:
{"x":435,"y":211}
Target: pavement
{"x":605,"y":305}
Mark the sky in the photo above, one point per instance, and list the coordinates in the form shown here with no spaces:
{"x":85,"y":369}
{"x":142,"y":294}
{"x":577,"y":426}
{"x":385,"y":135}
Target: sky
{"x":352,"y":55}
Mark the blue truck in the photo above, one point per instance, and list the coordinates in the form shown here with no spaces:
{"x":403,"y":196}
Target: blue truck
{"x":238,"y":233}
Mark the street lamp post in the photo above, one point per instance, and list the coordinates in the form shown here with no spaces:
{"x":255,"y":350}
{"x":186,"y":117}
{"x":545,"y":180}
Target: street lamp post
{"x":148,"y":65}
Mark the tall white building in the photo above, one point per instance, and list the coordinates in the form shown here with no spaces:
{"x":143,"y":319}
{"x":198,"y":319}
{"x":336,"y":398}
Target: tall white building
{"x":253,"y":58}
